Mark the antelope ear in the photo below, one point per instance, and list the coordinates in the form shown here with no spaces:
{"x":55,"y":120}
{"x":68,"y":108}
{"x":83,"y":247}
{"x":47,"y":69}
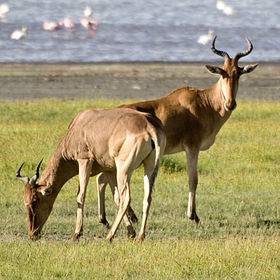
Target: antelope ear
{"x":216,"y":70}
{"x":248,"y":69}
{"x":24,"y":179}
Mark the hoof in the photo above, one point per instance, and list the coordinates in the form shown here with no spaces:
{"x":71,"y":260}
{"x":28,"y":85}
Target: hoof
{"x":195,"y":218}
{"x":131,"y":232}
{"x":76,"y":236}
{"x":140,"y":238}
{"x":105,"y":223}
{"x":109,"y":238}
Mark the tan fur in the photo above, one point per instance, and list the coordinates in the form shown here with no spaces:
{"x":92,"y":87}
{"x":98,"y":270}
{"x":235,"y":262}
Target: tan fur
{"x":98,"y":140}
{"x":191,"y":119}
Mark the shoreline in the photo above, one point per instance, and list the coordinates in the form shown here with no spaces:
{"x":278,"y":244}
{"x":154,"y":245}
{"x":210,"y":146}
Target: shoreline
{"x":126,"y":80}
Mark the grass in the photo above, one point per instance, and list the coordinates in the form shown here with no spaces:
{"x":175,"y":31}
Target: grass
{"x":166,"y":259}
{"x":237,"y":202}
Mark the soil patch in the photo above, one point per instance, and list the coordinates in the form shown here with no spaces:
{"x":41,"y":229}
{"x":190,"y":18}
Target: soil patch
{"x":124,"y":80}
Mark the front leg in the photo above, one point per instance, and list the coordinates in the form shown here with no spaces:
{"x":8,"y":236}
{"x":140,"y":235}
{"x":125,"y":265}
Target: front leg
{"x":192,"y":159}
{"x":85,"y":167}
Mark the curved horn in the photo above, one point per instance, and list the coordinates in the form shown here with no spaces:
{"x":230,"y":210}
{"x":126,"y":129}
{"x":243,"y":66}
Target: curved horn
{"x":36,"y":176}
{"x":239,"y":55}
{"x":24,"y":179}
{"x":218,"y":52}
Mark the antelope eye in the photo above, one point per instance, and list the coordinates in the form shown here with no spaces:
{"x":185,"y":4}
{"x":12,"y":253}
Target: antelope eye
{"x":34,"y":198}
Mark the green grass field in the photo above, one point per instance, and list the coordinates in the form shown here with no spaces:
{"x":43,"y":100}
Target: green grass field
{"x":238,"y":202}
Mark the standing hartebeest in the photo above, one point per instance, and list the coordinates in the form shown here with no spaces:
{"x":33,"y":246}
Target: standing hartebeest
{"x":115,"y":140}
{"x":191,"y":119}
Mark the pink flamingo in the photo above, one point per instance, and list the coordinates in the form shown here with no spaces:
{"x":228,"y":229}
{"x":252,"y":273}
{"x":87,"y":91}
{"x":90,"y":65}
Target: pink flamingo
{"x":89,"y":23}
{"x":4,"y":9}
{"x":67,"y":23}
{"x":50,"y":25}
{"x":87,"y":11}
{"x":19,"y":34}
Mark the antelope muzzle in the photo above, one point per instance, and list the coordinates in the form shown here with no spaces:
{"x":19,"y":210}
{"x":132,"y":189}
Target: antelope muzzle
{"x":230,"y":106}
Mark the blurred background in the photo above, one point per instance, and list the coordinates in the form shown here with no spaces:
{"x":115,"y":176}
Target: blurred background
{"x":133,"y":30}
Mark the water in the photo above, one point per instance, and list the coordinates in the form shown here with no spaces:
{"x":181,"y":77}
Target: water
{"x":135,"y":30}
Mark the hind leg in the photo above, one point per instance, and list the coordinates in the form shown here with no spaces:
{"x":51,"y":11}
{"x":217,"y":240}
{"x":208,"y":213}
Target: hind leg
{"x":149,"y":177}
{"x":102,"y":180}
{"x":124,"y":199}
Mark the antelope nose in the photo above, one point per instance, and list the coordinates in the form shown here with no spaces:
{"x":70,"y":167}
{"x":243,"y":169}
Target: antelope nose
{"x":230,"y":106}
{"x":35,"y":236}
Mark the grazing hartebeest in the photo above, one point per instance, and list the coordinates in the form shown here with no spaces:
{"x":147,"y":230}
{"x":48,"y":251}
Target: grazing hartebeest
{"x":191,"y":119}
{"x":115,"y":140}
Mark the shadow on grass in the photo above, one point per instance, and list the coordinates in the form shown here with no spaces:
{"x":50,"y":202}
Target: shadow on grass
{"x":268,"y":223}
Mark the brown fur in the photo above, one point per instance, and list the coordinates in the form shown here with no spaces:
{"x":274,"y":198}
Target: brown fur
{"x":98,"y":140}
{"x":191,"y":119}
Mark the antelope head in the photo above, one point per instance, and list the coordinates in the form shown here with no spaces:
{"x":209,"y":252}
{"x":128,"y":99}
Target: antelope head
{"x":37,"y":208}
{"x":230,"y":74}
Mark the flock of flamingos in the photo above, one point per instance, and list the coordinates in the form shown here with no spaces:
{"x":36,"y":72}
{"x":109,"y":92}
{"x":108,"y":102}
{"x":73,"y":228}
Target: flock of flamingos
{"x":86,"y":21}
{"x":89,"y":23}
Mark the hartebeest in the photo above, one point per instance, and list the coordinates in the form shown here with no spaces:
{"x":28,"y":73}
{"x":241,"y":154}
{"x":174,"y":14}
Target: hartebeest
{"x":191,"y":119}
{"x":111,"y":140}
